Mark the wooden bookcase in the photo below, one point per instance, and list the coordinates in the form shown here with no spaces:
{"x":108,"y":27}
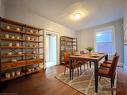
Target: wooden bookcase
{"x":67,"y":44}
{"x":21,"y":49}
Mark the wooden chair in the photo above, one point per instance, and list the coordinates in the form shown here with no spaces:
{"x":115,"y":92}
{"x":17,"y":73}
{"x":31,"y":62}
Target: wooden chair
{"x":67,"y":65}
{"x":109,"y":72}
{"x":108,"y":63}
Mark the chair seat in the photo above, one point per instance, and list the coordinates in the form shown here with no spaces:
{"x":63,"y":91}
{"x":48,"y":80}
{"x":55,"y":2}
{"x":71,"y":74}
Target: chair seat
{"x":106,"y":65}
{"x":74,"y":65}
{"x":103,"y":71}
{"x":108,"y":61}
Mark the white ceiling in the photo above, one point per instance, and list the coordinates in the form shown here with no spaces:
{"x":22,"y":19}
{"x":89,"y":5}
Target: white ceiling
{"x":95,"y":12}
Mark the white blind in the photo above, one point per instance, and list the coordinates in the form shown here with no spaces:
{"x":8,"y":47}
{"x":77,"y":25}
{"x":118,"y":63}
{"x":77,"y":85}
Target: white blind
{"x":104,"y":41}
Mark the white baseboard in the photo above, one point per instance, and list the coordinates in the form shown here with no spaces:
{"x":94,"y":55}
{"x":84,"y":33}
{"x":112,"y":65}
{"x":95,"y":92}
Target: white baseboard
{"x":120,"y":64}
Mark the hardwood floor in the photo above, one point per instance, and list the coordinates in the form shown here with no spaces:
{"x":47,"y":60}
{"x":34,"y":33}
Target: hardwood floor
{"x":44,"y":83}
{"x":122,"y":81}
{"x":40,"y":84}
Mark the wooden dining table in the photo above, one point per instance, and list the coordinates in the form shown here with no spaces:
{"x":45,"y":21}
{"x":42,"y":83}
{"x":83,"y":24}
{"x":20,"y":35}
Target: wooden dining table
{"x":93,"y":57}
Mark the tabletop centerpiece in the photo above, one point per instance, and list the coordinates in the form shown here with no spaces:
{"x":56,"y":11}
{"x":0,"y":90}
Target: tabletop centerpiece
{"x":89,"y":49}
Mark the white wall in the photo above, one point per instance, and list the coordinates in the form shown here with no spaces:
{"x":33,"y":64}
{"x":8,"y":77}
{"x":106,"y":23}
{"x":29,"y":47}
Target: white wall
{"x":125,"y":15}
{"x":15,"y":13}
{"x":125,"y":22}
{"x":2,"y":8}
{"x":86,"y":37}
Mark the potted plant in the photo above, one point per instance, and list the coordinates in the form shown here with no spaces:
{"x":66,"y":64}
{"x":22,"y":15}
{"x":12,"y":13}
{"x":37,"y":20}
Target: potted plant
{"x":90,"y":49}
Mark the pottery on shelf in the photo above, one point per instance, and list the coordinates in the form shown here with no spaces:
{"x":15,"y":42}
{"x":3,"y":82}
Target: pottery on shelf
{"x":37,"y":68}
{"x":18,"y":29}
{"x":8,"y":27}
{"x":32,"y":69}
{"x":18,"y":37}
{"x":6,"y":36}
{"x":34,"y":51}
{"x":31,"y":31}
{"x":10,"y":44}
{"x":9,"y":53}
{"x":7,"y":75}
{"x":34,"y":57}
{"x":17,"y":44}
{"x":29,"y":70}
{"x":13,"y":37}
{"x":28,"y":38}
{"x":12,"y":74}
{"x":19,"y":53}
{"x":18,"y":73}
{"x":14,"y":60}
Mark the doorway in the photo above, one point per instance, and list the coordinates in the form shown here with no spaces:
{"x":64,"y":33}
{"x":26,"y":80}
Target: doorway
{"x":51,"y":49}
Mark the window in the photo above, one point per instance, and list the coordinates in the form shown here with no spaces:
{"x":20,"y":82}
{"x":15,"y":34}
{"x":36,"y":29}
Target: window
{"x":104,"y":41}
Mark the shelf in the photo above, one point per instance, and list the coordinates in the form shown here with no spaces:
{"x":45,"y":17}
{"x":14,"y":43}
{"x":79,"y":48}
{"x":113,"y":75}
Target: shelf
{"x":5,"y":79}
{"x":10,"y":39}
{"x":12,"y":22}
{"x":9,"y":56}
{"x":20,"y":40}
{"x":34,"y":41}
{"x":26,"y":46}
{"x":33,"y":47}
{"x":67,"y":44}
{"x":12,"y":31}
{"x":32,"y":34}
{"x":33,"y":71}
{"x":11,"y":47}
{"x":20,"y":63}
{"x":20,"y":32}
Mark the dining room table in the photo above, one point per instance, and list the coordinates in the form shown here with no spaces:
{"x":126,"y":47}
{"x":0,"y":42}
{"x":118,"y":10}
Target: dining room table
{"x":93,"y":57}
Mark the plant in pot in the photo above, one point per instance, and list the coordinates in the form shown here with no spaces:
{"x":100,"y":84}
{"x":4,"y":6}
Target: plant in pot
{"x":89,"y":49}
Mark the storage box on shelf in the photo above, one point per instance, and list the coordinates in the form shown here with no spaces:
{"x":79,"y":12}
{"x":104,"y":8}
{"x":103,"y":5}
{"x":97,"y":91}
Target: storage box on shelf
{"x":21,"y":47}
{"x":67,"y":44}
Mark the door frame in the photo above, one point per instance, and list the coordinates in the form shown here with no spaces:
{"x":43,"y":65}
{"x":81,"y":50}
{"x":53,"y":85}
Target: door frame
{"x":57,"y":45}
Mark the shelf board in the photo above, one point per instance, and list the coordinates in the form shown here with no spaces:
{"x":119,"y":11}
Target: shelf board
{"x":11,"y":47}
{"x":8,"y":56}
{"x":12,"y":31}
{"x":33,"y":47}
{"x":33,"y":71}
{"x":10,"y":39}
{"x":34,"y":41}
{"x":5,"y":79}
{"x":20,"y":40}
{"x":32,"y":34}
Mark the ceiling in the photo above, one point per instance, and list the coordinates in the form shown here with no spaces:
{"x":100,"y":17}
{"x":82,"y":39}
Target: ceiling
{"x":94,"y":12}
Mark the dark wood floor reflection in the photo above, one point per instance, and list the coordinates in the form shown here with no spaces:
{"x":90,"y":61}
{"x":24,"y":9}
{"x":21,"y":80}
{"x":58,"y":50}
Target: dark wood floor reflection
{"x":41,"y":84}
{"x":122,"y":81}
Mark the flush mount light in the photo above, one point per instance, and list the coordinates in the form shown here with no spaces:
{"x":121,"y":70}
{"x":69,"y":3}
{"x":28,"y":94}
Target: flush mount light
{"x":77,"y":16}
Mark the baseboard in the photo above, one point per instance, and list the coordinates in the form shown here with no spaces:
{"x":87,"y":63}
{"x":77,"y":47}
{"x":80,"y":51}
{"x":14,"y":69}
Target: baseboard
{"x":120,"y":64}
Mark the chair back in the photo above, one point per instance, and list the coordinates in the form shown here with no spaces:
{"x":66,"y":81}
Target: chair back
{"x":66,"y":57}
{"x":114,"y":65}
{"x":74,"y":52}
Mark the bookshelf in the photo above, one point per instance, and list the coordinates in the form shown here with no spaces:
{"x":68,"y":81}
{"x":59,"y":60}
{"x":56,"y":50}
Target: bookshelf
{"x":21,"y":49}
{"x":67,"y":44}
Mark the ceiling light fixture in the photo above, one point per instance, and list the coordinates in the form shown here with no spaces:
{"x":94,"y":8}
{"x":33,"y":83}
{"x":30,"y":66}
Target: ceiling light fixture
{"x":77,"y":16}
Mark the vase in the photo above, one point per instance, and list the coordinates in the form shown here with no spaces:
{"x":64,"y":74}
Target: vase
{"x":90,"y":53}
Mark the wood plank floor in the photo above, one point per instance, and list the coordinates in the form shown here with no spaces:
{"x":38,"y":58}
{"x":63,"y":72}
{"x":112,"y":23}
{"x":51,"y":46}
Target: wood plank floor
{"x":44,"y":83}
{"x":40,"y":84}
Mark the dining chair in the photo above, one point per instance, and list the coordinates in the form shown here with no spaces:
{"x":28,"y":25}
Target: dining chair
{"x":108,"y":63}
{"x":67,"y":65}
{"x":109,"y":72}
{"x":84,"y":62}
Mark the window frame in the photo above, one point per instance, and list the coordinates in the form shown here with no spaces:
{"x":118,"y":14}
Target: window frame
{"x":113,"y":36}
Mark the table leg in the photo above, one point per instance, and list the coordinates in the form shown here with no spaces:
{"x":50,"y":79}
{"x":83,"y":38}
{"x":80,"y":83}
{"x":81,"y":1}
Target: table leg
{"x":96,"y":75}
{"x":70,"y":67}
{"x":90,"y":63}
